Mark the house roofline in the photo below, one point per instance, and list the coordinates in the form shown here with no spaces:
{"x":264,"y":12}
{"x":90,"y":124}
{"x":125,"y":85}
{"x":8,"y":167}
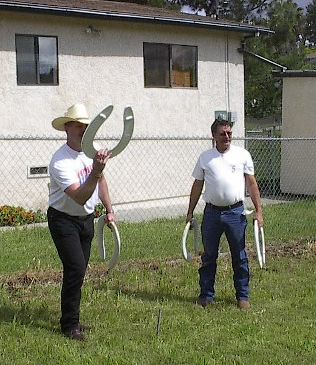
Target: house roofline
{"x":115,"y":15}
{"x":295,"y":73}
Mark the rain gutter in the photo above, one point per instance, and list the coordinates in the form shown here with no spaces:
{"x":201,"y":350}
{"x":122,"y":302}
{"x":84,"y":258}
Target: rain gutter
{"x":32,"y":8}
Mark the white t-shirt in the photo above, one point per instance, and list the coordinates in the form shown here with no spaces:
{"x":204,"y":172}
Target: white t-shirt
{"x":68,"y":167}
{"x":223,"y":174}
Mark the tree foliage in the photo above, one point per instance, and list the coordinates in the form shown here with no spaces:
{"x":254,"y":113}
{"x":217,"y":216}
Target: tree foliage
{"x":310,"y":25}
{"x":262,"y":89}
{"x":240,"y":10}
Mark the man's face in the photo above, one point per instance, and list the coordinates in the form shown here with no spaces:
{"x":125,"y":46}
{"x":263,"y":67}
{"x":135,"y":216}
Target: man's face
{"x":75,"y":130}
{"x":223,"y":137}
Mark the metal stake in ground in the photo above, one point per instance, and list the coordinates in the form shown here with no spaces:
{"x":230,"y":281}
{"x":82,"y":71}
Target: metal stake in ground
{"x":159,"y":321}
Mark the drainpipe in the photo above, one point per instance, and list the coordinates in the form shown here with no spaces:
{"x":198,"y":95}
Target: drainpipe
{"x":243,"y":50}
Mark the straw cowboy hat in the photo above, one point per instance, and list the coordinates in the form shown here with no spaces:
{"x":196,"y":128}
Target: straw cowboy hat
{"x":76,"y":113}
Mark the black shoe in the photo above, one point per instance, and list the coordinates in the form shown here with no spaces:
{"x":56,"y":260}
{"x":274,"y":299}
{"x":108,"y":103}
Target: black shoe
{"x":74,"y":334}
{"x":204,"y":302}
{"x":84,"y":327}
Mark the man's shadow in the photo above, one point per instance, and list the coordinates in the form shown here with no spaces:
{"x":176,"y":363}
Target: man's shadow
{"x":154,"y":296}
{"x":40,"y":317}
{"x":161,"y":296}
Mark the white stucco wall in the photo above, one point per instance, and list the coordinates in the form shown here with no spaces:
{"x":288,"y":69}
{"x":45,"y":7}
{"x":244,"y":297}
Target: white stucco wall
{"x":104,"y":69}
{"x":108,"y":69}
{"x":298,"y":163}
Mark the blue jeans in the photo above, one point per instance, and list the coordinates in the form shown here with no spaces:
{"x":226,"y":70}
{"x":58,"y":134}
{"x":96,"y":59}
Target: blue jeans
{"x":233,"y":223}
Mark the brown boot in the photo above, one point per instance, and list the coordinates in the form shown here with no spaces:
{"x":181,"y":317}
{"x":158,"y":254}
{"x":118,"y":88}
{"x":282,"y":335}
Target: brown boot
{"x":243,"y":304}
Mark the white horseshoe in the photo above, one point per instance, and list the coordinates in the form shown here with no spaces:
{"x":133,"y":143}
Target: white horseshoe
{"x":128,"y":119}
{"x":260,"y":243}
{"x":100,"y":238}
{"x":197,"y":239}
{"x":91,"y":130}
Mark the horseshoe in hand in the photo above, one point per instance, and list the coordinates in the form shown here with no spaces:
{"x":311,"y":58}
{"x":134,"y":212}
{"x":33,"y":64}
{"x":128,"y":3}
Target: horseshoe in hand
{"x":90,"y":132}
{"x":197,"y":239}
{"x":260,"y":244}
{"x":101,"y":241}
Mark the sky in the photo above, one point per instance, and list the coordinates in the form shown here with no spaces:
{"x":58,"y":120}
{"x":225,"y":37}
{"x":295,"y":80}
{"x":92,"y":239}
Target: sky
{"x":302,"y":3}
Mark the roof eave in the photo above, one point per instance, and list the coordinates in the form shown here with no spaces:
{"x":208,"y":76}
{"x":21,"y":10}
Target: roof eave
{"x":294,"y":73}
{"x":243,"y":28}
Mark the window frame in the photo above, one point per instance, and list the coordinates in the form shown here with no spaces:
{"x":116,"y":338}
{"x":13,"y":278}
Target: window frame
{"x":36,"y":60}
{"x":170,"y":63}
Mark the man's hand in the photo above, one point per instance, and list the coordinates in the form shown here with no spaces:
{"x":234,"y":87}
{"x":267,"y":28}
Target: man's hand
{"x":259,"y":218}
{"x":110,"y":217}
{"x":189,"y":217}
{"x":99,"y":161}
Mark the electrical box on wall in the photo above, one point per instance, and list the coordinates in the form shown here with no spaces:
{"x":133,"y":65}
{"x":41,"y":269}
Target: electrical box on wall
{"x":225,"y":115}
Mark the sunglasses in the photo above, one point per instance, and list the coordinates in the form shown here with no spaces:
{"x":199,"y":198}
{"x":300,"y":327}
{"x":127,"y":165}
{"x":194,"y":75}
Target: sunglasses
{"x":223,"y":134}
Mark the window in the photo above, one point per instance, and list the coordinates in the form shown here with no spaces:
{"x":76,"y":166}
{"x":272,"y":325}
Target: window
{"x":168,"y":65}
{"x":36,"y":60}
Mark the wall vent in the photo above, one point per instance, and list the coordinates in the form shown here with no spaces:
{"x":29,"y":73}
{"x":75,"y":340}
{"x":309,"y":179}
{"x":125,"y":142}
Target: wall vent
{"x":37,"y":172}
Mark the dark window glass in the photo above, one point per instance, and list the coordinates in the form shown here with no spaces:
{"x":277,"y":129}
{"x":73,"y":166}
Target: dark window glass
{"x":37,"y":62}
{"x":170,"y":65}
{"x":184,"y":66}
{"x":156,"y":59}
{"x":26,"y":60}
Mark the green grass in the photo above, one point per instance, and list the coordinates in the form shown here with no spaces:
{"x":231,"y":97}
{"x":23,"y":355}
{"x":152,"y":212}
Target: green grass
{"x":123,"y":307}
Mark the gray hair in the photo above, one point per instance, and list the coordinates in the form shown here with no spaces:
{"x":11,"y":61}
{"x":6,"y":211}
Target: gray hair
{"x":220,"y":123}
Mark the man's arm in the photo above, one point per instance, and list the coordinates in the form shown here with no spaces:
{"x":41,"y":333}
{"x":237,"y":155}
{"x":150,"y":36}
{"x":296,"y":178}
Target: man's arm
{"x":254,"y":193}
{"x":105,"y":199}
{"x":81,"y":193}
{"x":196,"y":191}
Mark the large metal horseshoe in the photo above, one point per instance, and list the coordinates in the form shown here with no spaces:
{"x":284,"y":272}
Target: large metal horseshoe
{"x":260,"y":243}
{"x":197,"y":239}
{"x":101,"y":243}
{"x":90,"y":132}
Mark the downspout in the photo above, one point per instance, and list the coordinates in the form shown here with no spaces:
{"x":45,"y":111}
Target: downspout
{"x":243,"y":50}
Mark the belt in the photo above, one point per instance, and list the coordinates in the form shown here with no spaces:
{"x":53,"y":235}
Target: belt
{"x":227,"y":207}
{"x":78,"y":217}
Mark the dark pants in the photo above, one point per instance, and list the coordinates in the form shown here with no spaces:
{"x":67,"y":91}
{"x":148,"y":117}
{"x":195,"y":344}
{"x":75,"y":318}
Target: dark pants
{"x":233,"y":223}
{"x":72,"y":237}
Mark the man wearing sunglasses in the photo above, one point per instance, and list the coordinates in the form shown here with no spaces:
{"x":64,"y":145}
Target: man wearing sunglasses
{"x":226,"y":170}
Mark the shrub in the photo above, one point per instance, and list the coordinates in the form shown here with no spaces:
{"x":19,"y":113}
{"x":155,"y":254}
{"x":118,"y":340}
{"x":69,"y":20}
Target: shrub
{"x":18,"y":216}
{"x":99,"y":210}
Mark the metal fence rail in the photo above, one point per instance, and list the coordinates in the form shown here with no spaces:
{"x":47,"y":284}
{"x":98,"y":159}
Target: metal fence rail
{"x":152,"y":177}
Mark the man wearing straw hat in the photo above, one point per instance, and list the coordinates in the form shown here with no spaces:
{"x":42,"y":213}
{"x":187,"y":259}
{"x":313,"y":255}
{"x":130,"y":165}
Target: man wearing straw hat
{"x":225,"y":169}
{"x":77,"y":184}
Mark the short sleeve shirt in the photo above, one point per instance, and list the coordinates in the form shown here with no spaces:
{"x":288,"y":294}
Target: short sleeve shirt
{"x":69,"y":167}
{"x":223,"y":174}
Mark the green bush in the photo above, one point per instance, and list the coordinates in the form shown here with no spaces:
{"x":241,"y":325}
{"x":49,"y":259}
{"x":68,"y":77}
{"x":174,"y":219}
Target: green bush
{"x":99,"y":210}
{"x":18,"y":216}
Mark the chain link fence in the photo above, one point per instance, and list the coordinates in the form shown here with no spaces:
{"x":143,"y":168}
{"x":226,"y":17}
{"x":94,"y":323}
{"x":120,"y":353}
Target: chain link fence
{"x":152,"y":177}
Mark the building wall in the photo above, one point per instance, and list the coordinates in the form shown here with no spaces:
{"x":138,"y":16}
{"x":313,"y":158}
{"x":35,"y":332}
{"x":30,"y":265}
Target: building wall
{"x":298,"y":163}
{"x":107,"y":68}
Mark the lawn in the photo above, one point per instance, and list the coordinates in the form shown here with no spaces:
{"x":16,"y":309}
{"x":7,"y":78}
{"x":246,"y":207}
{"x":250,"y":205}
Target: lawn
{"x":143,"y":312}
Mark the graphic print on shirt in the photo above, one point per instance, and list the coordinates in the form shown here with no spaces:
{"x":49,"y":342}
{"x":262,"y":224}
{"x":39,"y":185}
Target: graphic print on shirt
{"x":84,"y":173}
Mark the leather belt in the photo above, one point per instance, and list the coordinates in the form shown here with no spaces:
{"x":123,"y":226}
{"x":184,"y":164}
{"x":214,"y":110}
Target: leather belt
{"x":227,"y":207}
{"x":78,"y":217}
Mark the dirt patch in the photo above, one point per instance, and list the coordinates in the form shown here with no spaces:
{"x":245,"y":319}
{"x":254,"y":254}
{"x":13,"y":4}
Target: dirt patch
{"x":99,"y":272}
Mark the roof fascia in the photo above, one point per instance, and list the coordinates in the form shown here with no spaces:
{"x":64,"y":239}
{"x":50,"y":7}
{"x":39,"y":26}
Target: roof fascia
{"x":32,"y":8}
